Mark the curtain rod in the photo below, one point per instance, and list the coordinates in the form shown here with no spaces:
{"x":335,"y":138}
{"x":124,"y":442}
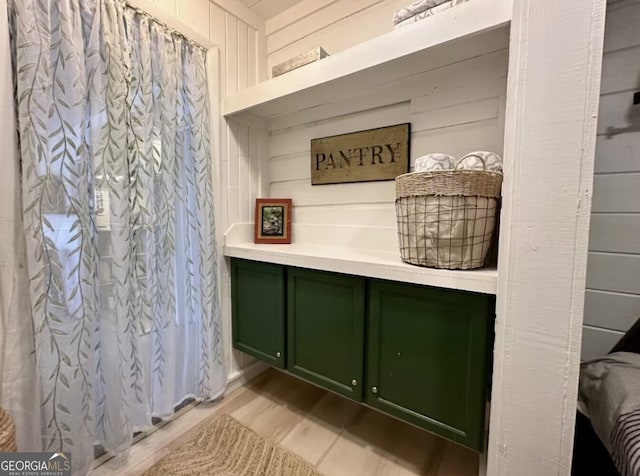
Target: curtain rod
{"x":171,"y":23}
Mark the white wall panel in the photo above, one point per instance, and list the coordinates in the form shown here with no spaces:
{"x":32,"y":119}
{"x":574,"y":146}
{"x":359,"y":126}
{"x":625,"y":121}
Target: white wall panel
{"x":425,"y":76}
{"x":454,"y":84}
{"x":231,"y":25}
{"x":247,"y":194}
{"x":597,"y":342}
{"x":365,"y":192}
{"x":261,"y":52}
{"x":167,"y":5}
{"x":457,"y":114}
{"x":623,"y":18}
{"x":374,"y":237}
{"x":291,"y":140}
{"x":289,"y":167}
{"x":347,"y":215}
{"x":615,"y":232}
{"x":233,"y":180}
{"x":614,"y":272}
{"x":243,"y":55}
{"x":459,"y":139}
{"x":618,"y":153}
{"x":621,"y":70}
{"x":300,"y":10}
{"x":217,"y":33}
{"x":612,"y":300}
{"x":616,"y":193}
{"x":335,"y":26}
{"x":240,"y":11}
{"x":617,"y":111}
{"x":616,"y":311}
{"x":252,"y":51}
{"x":314,"y":21}
{"x":269,"y":8}
{"x":455,"y":108}
{"x":195,"y":13}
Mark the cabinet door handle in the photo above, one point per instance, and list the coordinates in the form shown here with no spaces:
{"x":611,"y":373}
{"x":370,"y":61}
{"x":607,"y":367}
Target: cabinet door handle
{"x":278,"y":354}
{"x":354,"y":383}
{"x":374,"y":389}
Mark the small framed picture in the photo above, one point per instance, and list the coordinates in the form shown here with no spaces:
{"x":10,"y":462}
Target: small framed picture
{"x":273,"y":220}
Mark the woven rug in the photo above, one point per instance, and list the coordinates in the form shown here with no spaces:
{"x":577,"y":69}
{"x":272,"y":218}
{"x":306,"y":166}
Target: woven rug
{"x":7,"y":433}
{"x":227,"y":448}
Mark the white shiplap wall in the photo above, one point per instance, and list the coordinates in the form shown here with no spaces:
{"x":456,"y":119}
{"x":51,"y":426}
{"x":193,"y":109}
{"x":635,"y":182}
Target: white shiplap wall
{"x":332,"y":24}
{"x":612,"y":302}
{"x":456,"y":106}
{"x":239,"y":34}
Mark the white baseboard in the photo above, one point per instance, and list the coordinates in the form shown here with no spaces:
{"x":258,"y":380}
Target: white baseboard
{"x":238,"y":378}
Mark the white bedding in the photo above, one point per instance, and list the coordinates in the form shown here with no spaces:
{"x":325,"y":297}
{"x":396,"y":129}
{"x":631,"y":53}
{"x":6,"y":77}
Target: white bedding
{"x":610,"y":396}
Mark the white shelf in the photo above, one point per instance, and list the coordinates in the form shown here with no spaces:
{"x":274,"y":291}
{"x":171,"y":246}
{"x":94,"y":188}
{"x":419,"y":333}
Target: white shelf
{"x":360,"y":262}
{"x":371,"y":63}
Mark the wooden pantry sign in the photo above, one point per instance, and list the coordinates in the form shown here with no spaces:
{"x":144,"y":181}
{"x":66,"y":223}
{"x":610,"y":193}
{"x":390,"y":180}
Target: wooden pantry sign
{"x":364,"y":156}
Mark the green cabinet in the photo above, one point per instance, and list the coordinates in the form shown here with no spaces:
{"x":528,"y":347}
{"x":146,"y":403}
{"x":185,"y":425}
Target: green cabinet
{"x":426,"y":358}
{"x":258,"y":310}
{"x":418,"y":353}
{"x":325,"y":324}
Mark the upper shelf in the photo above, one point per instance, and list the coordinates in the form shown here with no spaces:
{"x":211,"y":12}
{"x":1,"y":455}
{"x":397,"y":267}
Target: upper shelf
{"x":369,"y":63}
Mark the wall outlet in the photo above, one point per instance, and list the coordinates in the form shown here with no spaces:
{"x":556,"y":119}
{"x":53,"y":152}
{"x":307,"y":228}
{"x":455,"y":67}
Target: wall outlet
{"x":102,"y":210}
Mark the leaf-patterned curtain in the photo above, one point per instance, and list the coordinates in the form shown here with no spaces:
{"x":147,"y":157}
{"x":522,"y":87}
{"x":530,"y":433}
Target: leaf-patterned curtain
{"x":116,"y":164}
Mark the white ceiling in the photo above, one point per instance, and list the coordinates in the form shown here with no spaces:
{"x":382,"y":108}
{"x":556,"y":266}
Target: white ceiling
{"x":269,"y":8}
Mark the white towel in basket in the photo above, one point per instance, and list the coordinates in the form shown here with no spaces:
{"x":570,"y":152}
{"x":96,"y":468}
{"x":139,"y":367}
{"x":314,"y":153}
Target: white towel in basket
{"x":440,"y":6}
{"x":478,"y":160}
{"x":431,"y":162}
{"x":416,"y":7}
{"x":481,"y":160}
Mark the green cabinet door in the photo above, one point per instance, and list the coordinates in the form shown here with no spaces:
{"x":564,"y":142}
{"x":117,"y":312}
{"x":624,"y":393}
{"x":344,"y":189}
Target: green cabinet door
{"x":325,"y":323}
{"x":427,"y":359}
{"x":258,"y":306}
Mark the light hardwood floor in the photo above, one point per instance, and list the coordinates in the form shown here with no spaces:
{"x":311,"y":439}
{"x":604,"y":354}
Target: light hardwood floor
{"x":337,"y":435}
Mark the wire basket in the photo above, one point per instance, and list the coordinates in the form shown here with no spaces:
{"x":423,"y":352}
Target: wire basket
{"x":7,"y":433}
{"x":446,"y":218}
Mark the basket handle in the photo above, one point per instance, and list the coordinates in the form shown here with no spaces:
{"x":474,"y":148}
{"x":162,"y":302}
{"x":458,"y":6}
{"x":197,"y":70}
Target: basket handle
{"x":484,"y":163}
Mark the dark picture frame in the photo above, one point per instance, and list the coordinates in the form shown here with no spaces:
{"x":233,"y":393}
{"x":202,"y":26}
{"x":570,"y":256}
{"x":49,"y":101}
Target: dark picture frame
{"x":273,"y":221}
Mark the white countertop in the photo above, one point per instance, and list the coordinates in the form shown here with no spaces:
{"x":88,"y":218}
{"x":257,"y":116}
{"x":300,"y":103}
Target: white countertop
{"x":360,"y":262}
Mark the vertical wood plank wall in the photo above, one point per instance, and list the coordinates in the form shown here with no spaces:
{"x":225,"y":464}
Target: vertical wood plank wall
{"x":239,"y":34}
{"x":612,"y":302}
